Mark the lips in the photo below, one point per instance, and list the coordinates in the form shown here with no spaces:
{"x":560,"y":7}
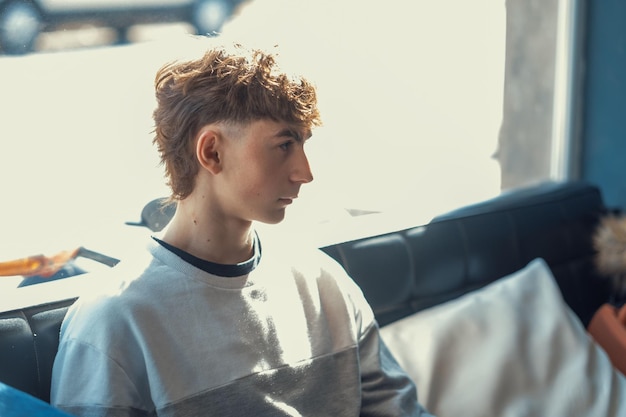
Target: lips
{"x":287,"y":200}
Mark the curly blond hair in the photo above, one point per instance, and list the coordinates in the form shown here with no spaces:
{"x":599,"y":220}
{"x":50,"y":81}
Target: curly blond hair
{"x":231,"y":85}
{"x":609,"y":240}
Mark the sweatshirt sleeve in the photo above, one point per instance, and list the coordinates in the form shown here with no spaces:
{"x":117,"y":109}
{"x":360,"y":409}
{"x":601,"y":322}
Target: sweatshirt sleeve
{"x":85,"y":379}
{"x":98,"y":368}
{"x":386,"y":389}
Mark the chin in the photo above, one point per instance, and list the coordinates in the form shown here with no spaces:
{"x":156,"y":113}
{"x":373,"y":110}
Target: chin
{"x":274,"y":218}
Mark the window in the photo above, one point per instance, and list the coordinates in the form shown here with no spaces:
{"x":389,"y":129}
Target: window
{"x":427,"y":106}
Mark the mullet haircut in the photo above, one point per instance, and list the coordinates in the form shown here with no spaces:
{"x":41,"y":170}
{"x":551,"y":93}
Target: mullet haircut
{"x":235,"y":86}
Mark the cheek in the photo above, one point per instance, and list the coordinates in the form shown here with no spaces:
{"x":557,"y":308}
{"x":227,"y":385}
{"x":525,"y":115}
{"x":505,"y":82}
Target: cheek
{"x":257,"y":175}
{"x":252,"y":191}
{"x":251,"y":182}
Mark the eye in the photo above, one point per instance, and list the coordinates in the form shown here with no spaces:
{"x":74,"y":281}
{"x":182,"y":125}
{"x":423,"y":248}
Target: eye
{"x":286,"y":145}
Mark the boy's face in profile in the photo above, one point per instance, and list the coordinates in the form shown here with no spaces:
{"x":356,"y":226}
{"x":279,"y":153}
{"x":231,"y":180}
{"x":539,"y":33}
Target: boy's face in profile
{"x":264,"y":166}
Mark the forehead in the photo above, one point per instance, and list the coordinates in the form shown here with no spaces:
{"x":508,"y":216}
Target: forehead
{"x":269,"y":127}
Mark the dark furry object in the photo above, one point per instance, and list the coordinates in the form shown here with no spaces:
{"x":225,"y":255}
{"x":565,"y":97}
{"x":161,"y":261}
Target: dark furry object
{"x":610,"y":243}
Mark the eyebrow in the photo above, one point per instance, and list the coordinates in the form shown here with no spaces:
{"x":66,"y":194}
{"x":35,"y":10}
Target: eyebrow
{"x":295,"y":134}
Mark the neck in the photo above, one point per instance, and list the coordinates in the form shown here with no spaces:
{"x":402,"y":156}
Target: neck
{"x":209,"y":236}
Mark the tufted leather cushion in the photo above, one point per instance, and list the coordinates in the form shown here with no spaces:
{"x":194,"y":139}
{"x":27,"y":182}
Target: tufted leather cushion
{"x":29,"y":341}
{"x":401,"y":272}
{"x":413,"y":269}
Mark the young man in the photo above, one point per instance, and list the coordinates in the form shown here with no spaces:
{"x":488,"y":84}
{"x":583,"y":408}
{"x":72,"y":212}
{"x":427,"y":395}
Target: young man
{"x":218,"y":321}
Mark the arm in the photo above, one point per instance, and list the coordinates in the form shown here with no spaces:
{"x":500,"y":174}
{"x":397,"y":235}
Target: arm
{"x":386,"y":390}
{"x":86,"y":382}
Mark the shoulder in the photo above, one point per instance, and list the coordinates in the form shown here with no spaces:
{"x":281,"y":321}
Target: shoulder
{"x":315,"y":271}
{"x":95,"y":315}
{"x":112,"y":306}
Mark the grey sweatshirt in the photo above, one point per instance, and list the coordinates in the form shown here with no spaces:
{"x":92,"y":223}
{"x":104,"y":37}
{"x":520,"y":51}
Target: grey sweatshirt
{"x":292,"y":336}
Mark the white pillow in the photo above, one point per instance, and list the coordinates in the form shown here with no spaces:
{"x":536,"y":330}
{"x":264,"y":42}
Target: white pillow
{"x":511,"y":349}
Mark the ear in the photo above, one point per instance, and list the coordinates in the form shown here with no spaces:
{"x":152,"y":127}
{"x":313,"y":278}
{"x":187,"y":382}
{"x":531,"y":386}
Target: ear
{"x":207,"y":149}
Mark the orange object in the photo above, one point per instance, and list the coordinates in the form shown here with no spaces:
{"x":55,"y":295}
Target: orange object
{"x":621,"y":315}
{"x":608,"y":329}
{"x":45,"y":266}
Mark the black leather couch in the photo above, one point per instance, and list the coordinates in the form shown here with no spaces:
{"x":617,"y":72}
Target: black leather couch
{"x":402,"y":272}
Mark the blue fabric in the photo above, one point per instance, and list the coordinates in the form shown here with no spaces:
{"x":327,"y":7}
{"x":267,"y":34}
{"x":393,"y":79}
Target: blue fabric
{"x":15,"y":403}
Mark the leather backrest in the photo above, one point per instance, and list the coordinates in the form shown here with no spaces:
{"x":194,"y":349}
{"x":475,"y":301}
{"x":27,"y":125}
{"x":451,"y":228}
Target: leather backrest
{"x":29,"y":339}
{"x":412,"y":269}
{"x":401,"y":272}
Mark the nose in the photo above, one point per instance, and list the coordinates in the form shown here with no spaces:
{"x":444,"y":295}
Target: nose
{"x":301,"y":172}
